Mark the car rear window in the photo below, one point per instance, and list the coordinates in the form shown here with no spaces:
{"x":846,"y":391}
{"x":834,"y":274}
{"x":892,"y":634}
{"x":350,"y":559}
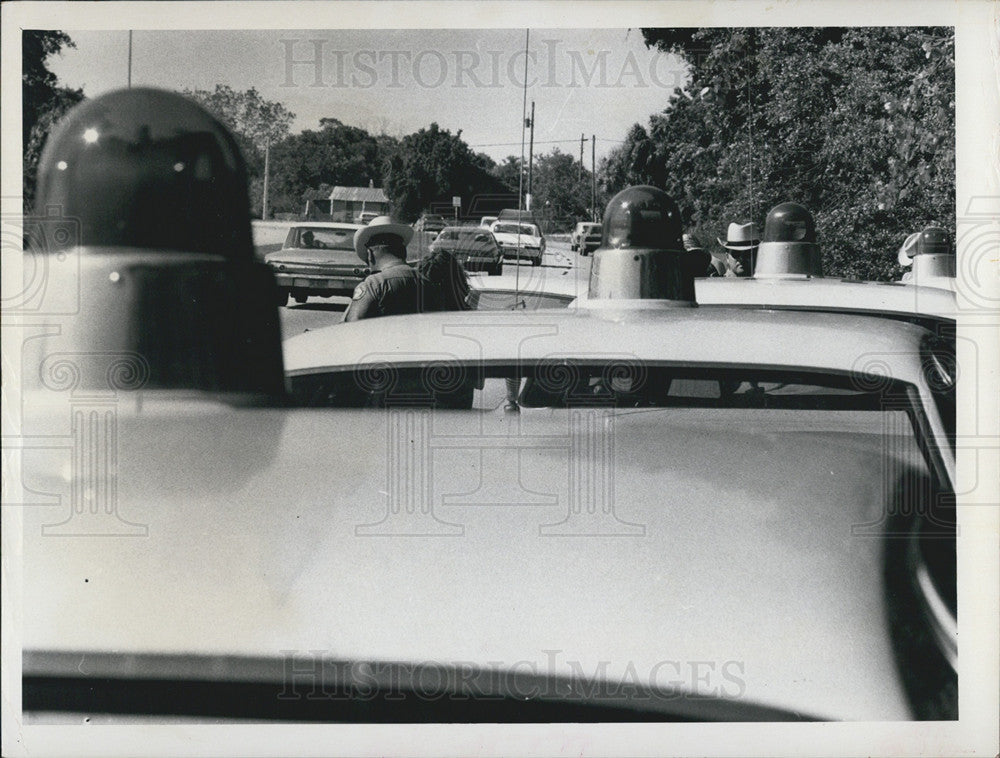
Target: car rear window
{"x":320,"y":238}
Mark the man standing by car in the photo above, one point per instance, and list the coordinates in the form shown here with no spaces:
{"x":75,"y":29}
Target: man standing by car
{"x":742,"y":241}
{"x":395,"y":287}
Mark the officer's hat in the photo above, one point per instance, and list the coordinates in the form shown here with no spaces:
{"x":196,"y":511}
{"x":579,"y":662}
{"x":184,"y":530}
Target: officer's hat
{"x":642,"y":253}
{"x":378,"y":226}
{"x":788,"y":248}
{"x":157,"y":192}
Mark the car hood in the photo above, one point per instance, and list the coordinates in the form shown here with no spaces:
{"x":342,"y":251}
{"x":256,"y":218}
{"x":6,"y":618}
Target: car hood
{"x":252,"y":533}
{"x":313,"y":257}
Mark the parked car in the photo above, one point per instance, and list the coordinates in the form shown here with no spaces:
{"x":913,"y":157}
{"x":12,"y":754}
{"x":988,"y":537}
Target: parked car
{"x":810,"y":451}
{"x":430,"y":222}
{"x":487,"y":221}
{"x":800,"y":445}
{"x":475,"y":248}
{"x":317,"y":259}
{"x":519,"y":240}
{"x":366,"y":217}
{"x":586,"y":236}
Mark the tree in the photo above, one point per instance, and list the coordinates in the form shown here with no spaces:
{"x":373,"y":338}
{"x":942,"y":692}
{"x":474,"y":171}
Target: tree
{"x":855,"y":123}
{"x":44,"y":102}
{"x":431,"y":166}
{"x":258,"y":124}
{"x":336,"y":154}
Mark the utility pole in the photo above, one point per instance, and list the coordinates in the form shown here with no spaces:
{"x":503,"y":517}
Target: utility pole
{"x":267,"y":166}
{"x":582,"y":140}
{"x":593,"y":176}
{"x":531,"y":150}
{"x":130,"y":59}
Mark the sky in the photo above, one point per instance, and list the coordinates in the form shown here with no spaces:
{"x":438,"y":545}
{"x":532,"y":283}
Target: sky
{"x":591,"y":82}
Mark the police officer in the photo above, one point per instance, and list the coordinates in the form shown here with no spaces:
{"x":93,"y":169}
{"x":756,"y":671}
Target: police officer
{"x":742,"y":241}
{"x":395,"y":289}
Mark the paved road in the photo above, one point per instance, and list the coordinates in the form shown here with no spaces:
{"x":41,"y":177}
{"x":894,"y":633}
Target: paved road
{"x":318,"y":312}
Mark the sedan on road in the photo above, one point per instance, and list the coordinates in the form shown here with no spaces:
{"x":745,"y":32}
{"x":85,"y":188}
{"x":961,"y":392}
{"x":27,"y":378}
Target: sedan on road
{"x":586,"y":236}
{"x":520,"y":240}
{"x":475,"y":248}
{"x":317,"y":259}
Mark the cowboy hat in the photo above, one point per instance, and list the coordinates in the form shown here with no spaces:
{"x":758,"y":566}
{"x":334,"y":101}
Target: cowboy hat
{"x":380,"y":225}
{"x":741,"y":237}
{"x":906,"y":251}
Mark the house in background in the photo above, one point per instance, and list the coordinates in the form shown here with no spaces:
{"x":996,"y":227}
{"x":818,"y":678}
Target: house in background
{"x":348,"y":203}
{"x":345,"y":203}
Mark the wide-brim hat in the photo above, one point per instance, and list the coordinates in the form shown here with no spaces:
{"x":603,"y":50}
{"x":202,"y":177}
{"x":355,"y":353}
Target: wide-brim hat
{"x":741,"y":237}
{"x":380,"y":225}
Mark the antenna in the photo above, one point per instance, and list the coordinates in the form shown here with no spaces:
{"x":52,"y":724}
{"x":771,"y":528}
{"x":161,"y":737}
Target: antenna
{"x":520,"y":173}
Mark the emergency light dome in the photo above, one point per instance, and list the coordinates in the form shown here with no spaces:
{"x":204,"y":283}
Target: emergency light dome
{"x":152,"y":190}
{"x":642,"y":256}
{"x":933,"y":257}
{"x":789,"y":247}
{"x":144,"y":168}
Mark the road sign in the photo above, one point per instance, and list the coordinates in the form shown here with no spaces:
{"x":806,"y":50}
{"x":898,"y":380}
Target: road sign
{"x":457,"y":202}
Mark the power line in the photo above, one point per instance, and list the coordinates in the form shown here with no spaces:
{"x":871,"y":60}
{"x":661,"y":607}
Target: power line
{"x":547,"y":142}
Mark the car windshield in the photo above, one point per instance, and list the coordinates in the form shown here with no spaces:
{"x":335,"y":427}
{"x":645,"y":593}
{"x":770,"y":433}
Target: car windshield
{"x":564,"y":383}
{"x":523,"y":229}
{"x":321,"y":238}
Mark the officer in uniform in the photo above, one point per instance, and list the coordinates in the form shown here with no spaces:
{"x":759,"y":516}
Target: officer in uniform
{"x":395,"y":288}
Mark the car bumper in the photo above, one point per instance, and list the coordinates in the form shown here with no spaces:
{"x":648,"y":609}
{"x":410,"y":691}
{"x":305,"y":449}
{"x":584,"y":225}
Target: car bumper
{"x":524,"y":252}
{"x":317,"y":282}
{"x":477,"y":263}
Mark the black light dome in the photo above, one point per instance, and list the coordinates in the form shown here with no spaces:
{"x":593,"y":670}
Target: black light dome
{"x":148,"y":169}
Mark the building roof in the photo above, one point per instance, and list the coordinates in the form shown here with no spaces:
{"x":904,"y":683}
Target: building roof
{"x":359,"y":194}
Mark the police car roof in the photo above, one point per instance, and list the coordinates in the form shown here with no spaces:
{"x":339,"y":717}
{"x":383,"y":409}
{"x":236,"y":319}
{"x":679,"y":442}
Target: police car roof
{"x":836,"y":343}
{"x":828,"y":294}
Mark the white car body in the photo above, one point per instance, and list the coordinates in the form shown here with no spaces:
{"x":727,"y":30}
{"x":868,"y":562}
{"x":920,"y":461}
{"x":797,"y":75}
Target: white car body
{"x":519,"y":240}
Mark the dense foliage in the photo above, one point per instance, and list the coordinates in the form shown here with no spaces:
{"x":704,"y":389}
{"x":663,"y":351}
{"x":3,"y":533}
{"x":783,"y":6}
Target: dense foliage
{"x":334,"y":154}
{"x":560,"y":188}
{"x":43,"y":101}
{"x":430,"y":167}
{"x":856,"y":124}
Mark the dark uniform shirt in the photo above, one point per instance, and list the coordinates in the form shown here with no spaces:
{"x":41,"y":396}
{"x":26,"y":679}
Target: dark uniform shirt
{"x":392,"y":291}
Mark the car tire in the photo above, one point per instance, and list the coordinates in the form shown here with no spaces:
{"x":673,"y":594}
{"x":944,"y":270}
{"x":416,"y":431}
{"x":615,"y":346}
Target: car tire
{"x":282,"y":297}
{"x":300,"y":299}
{"x":536,"y":261}
{"x":496,"y":269}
